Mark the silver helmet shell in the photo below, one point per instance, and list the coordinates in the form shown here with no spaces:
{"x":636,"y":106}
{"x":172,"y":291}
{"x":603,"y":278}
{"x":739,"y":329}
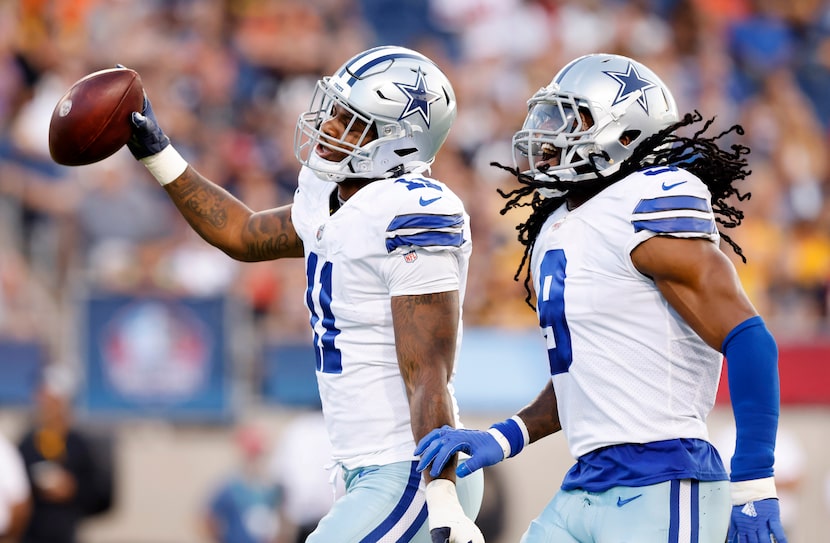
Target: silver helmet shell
{"x":620,"y":96}
{"x":399,"y":95}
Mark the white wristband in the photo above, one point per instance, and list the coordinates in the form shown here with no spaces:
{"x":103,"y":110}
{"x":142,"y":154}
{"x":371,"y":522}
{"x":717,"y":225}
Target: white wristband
{"x":522,"y":427}
{"x":501,"y":440}
{"x":166,"y":166}
{"x":752,"y":491}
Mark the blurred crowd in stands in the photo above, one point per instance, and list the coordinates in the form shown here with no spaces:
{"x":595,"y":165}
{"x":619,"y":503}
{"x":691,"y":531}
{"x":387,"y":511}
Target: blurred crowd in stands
{"x":228,"y":79}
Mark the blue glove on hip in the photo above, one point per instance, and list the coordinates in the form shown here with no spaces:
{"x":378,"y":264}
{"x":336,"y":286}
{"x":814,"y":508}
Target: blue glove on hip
{"x":756,"y":522}
{"x":439,"y":446}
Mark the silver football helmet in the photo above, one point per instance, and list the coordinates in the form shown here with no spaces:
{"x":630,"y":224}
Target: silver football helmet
{"x":396,"y":107}
{"x":574,"y":126}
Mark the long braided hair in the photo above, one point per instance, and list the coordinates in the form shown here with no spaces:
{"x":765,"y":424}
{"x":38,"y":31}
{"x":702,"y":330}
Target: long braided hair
{"x":717,"y":167}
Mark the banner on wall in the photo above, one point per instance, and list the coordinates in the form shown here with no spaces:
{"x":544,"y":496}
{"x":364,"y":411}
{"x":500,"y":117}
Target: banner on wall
{"x":288,"y":375}
{"x":157,"y":357}
{"x":20,"y":366}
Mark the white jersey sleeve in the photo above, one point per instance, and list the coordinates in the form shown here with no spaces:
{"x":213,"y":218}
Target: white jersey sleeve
{"x":423,"y":240}
{"x":674,"y":203}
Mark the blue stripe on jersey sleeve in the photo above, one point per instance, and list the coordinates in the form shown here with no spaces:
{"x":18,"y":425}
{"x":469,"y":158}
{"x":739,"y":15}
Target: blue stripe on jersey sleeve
{"x":425,"y":221}
{"x":676,"y":225}
{"x":669,"y":203}
{"x":425,"y":239}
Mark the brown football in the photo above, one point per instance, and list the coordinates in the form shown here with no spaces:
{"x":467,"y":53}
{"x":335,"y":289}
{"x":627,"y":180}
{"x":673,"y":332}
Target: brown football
{"x":92,"y":120}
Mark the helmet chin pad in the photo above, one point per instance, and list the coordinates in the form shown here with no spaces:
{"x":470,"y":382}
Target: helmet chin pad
{"x":333,"y":172}
{"x":326,"y":169}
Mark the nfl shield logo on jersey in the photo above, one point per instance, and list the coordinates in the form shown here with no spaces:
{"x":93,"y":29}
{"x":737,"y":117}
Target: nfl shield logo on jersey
{"x":410,"y":257}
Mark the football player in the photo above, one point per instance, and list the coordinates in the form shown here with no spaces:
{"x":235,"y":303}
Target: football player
{"x":386,"y":250}
{"x":637,"y":305}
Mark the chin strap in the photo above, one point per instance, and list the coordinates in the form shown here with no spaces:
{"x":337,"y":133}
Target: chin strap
{"x":325,"y":169}
{"x":416,"y":166}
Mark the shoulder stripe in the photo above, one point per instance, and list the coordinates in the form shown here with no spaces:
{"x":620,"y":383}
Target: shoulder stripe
{"x":425,"y":239}
{"x":424,"y":220}
{"x":669,"y":203}
{"x":676,"y":225}
{"x":425,"y":230}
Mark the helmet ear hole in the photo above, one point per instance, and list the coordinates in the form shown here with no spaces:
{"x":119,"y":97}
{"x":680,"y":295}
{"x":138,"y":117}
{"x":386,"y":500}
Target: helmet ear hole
{"x":628,"y":136}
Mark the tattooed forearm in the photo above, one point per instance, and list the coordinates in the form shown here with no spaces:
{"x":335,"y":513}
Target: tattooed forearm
{"x":425,"y":341}
{"x":425,"y":332}
{"x":435,"y":298}
{"x":272,"y":235}
{"x":228,"y":224}
{"x":201,"y":201}
{"x":267,"y":249}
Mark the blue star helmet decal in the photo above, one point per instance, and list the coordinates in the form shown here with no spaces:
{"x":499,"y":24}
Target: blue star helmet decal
{"x":630,"y":82}
{"x":419,"y":96}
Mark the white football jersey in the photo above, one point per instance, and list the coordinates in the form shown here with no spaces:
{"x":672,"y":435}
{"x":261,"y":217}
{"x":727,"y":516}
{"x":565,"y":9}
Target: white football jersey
{"x":625,"y":366}
{"x":394,"y":237}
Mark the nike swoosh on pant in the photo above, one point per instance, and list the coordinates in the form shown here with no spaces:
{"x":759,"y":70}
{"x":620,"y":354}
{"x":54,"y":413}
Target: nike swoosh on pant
{"x":621,"y":502}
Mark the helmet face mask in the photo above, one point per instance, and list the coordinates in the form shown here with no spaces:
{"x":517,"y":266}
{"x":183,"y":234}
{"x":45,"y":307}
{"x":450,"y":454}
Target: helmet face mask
{"x":351,"y":148}
{"x":555,"y":133}
{"x":589,"y":120}
{"x":385,"y":112}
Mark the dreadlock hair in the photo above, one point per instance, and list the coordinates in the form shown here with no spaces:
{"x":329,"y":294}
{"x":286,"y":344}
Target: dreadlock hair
{"x":718,"y":168}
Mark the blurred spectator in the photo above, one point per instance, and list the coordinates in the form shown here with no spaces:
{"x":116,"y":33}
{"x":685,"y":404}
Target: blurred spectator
{"x":243,"y":509}
{"x":123,"y":229}
{"x":301,"y":465}
{"x":232,"y":73}
{"x":760,"y":42}
{"x":15,"y":496}
{"x":27,"y":309}
{"x":813,"y":70}
{"x":69,"y":477}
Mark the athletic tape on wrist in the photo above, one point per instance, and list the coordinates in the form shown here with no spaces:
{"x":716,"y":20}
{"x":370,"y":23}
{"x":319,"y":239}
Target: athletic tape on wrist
{"x":166,"y":166}
{"x":752,"y":491}
{"x":514,"y":432}
{"x":441,"y":489}
{"x":442,"y":502}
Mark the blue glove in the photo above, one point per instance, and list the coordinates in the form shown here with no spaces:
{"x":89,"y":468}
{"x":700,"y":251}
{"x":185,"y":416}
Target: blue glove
{"x":439,"y":446}
{"x":756,"y":522}
{"x":148,"y":138}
